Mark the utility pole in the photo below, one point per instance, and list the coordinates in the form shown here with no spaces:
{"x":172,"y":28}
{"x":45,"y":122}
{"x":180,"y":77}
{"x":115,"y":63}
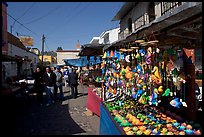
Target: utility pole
{"x":43,"y":40}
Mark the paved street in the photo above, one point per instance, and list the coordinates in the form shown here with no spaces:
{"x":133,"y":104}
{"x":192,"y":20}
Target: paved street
{"x":62,"y":118}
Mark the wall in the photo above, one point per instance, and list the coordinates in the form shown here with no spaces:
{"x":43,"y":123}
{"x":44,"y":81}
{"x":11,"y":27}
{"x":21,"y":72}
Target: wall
{"x":113,"y":35}
{"x":14,"y":50}
{"x":66,"y":55}
{"x":10,"y":69}
{"x":4,"y":29}
{"x":140,"y":9}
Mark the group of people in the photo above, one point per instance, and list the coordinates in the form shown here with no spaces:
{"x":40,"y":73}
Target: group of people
{"x":52,"y":80}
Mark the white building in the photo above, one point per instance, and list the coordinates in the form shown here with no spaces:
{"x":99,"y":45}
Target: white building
{"x":66,"y":54}
{"x":107,"y":37}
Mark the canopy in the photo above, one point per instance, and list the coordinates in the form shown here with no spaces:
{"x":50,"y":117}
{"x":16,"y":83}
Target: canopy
{"x":83,"y":61}
{"x":92,"y":49}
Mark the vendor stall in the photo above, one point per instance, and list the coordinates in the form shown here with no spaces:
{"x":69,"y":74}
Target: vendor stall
{"x":145,"y":90}
{"x":90,"y":74}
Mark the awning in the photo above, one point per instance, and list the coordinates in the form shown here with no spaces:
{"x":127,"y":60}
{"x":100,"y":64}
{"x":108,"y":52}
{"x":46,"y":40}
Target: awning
{"x":83,"y":61}
{"x":92,"y":49}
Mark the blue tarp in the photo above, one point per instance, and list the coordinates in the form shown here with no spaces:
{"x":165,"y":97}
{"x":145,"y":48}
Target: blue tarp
{"x":107,"y":127}
{"x":83,"y":61}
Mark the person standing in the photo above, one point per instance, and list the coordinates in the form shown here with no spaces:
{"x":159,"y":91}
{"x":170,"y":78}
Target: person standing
{"x":53,"y":69}
{"x":38,"y":85}
{"x":73,"y":81}
{"x":49,"y":79}
{"x":59,"y":83}
{"x":66,"y":72}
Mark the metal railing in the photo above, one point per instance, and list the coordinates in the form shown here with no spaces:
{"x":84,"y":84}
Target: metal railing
{"x":168,"y":6}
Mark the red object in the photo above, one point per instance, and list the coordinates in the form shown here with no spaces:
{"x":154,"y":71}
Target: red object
{"x":93,"y":102}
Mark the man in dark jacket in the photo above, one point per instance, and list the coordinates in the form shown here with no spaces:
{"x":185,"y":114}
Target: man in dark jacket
{"x":49,"y":79}
{"x":38,"y":85}
{"x":73,"y":81}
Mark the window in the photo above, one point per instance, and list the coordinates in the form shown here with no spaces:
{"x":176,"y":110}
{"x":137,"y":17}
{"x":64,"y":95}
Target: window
{"x":151,"y":12}
{"x":168,"y":6}
{"x":130,"y":25}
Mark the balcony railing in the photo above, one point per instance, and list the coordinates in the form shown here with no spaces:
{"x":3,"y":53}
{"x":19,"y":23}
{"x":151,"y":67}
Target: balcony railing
{"x":168,"y":6}
{"x":141,"y":21}
{"x":123,"y":34}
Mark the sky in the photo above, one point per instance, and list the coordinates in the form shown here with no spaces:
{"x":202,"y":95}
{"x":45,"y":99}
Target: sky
{"x":62,"y":23}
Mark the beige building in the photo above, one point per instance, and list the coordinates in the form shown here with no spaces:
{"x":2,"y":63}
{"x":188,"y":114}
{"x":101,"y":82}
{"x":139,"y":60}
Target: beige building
{"x":66,"y":54}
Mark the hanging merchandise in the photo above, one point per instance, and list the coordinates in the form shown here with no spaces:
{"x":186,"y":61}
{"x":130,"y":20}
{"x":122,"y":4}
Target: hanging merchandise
{"x":137,"y":76}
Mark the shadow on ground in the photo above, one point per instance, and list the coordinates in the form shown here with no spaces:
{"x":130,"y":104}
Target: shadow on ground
{"x":28,"y":118}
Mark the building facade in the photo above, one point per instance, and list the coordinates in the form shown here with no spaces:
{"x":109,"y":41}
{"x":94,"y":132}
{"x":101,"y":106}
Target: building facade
{"x":66,"y":54}
{"x":22,"y":62}
{"x":107,"y":37}
{"x":48,"y":60}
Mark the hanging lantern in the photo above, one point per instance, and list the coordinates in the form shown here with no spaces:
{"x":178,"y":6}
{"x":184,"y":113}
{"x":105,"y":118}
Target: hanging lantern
{"x":111,"y":54}
{"x":118,"y":55}
{"x":107,"y":54}
{"x":115,"y":54}
{"x":104,"y":55}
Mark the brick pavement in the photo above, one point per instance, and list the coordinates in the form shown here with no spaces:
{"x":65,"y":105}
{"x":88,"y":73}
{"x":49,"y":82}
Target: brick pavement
{"x":62,"y":118}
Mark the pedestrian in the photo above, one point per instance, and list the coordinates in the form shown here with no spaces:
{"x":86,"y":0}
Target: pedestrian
{"x":73,"y":82}
{"x":59,"y":83}
{"x":53,"y":69}
{"x":38,"y":85}
{"x":66,"y":72}
{"x":49,"y":79}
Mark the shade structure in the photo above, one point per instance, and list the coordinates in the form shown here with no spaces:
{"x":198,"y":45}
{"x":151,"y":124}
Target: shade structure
{"x":92,"y":49}
{"x":83,"y":61}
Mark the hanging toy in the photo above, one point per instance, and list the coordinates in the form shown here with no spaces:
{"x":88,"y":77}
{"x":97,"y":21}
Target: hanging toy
{"x":139,"y":69}
{"x":122,"y":72}
{"x":156,"y":76}
{"x":167,"y":92}
{"x":139,"y":92}
{"x":160,"y":89}
{"x":123,"y":56}
{"x":127,"y":58}
{"x":148,"y":57}
{"x":142,"y":99}
{"x":142,"y":52}
{"x":154,"y":98}
{"x":175,"y":103}
{"x":137,"y":57}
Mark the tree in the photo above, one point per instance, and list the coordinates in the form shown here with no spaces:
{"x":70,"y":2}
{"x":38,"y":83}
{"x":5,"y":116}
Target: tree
{"x":59,"y":48}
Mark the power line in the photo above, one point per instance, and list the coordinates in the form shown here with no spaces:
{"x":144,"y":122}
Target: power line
{"x":21,"y":24}
{"x":39,"y":18}
{"x":27,"y":10}
{"x":24,"y":12}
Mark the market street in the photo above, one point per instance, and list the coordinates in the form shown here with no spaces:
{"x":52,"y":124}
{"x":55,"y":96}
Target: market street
{"x":62,"y":118}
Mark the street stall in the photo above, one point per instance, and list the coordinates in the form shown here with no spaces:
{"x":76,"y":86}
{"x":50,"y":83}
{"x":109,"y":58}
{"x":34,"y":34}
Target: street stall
{"x":90,"y":58}
{"x":145,"y":89}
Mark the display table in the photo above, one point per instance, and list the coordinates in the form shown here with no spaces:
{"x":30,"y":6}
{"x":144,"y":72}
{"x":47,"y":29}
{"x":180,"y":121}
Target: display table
{"x":93,"y":102}
{"x":107,"y":125}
